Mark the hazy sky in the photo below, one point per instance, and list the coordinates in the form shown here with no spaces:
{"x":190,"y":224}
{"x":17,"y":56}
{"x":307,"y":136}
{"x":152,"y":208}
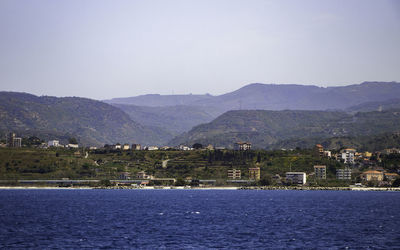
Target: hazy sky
{"x":103,"y":49}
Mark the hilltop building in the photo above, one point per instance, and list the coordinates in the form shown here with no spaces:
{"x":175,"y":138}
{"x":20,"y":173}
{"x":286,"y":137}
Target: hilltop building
{"x":126,"y":147}
{"x":343,"y":174}
{"x":12,"y":141}
{"x":136,"y":146}
{"x":234,"y":174}
{"x":320,"y":171}
{"x":254,"y":173}
{"x":242,"y":146}
{"x":296,"y":177}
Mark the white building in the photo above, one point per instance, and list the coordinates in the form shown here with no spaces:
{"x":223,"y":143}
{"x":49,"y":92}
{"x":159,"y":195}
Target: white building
{"x":53,"y":143}
{"x":73,"y":145}
{"x":348,"y":155}
{"x":343,"y":174}
{"x":296,"y":177}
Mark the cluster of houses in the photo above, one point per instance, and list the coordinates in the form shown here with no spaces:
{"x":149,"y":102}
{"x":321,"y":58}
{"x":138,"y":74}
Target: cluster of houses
{"x":56,"y":143}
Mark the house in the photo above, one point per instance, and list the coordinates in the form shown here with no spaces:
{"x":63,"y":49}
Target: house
{"x":343,"y":174}
{"x":126,"y":147}
{"x":348,"y":155}
{"x":143,"y":175}
{"x":117,"y":146}
{"x":125,"y":176}
{"x":242,"y":146}
{"x":184,"y":148}
{"x":210,"y":147}
{"x":296,"y":177}
{"x":373,"y":175}
{"x":53,"y":143}
{"x":73,"y":145}
{"x":319,"y":149}
{"x":234,"y":174}
{"x":327,"y":153}
{"x":254,"y":173}
{"x":12,"y":141}
{"x":136,"y":147}
{"x":152,"y":148}
{"x":391,"y":176}
{"x":320,"y":171}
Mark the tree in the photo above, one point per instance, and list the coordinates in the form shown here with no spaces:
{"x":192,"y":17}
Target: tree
{"x":197,"y":146}
{"x":396,"y":183}
{"x":180,"y":182}
{"x":72,"y":140}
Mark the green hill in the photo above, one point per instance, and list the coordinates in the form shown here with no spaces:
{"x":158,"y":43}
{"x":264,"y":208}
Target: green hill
{"x":92,"y":122}
{"x":266,"y":129}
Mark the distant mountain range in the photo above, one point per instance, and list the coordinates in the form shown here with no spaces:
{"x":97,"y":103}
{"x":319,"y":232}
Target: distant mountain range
{"x":92,"y":122}
{"x":157,"y":119}
{"x":177,"y":114}
{"x":276,"y":97}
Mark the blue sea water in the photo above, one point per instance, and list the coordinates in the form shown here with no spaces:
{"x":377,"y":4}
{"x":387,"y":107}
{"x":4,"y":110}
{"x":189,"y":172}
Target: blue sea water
{"x":198,"y":219}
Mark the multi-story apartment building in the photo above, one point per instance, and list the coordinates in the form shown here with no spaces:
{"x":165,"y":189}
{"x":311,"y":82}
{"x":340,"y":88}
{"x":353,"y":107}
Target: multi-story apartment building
{"x":343,"y":174}
{"x":254,"y":173}
{"x":234,"y":174}
{"x":296,"y":177}
{"x":320,"y":171}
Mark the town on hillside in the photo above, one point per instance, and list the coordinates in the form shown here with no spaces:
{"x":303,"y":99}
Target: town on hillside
{"x":32,"y":161}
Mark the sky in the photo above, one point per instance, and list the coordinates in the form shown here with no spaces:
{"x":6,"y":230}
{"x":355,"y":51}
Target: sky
{"x":102,"y":49}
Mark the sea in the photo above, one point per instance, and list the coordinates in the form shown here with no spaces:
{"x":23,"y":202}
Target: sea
{"x":198,"y":219}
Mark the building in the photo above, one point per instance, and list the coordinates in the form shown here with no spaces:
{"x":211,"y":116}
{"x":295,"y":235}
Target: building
{"x":348,"y":155}
{"x":343,"y":174}
{"x":136,"y":147}
{"x":210,"y":147}
{"x":320,"y":171}
{"x":254,"y":173}
{"x":73,"y":145}
{"x":12,"y":141}
{"x":234,"y":174}
{"x":242,"y":146}
{"x":296,"y":177}
{"x":53,"y":143}
{"x":327,"y":153}
{"x":143,"y":175}
{"x":118,"y":146}
{"x":391,"y":176}
{"x":125,"y":176}
{"x":373,"y":175}
{"x":126,"y":147}
{"x":319,"y":149}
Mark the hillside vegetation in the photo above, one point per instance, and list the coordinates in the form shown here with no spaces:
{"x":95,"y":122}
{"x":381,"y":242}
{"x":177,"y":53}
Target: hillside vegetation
{"x":267,"y":129}
{"x":93,"y":122}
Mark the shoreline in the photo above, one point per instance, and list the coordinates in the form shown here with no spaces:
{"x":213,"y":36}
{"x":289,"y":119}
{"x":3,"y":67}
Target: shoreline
{"x":396,"y":189}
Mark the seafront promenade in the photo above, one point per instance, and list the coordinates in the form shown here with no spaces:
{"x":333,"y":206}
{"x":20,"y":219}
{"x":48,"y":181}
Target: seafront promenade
{"x":304,"y":188}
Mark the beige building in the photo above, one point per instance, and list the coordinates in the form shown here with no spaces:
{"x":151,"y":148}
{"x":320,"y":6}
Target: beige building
{"x":234,"y":174}
{"x":254,"y":173}
{"x":373,"y":175}
{"x":320,"y":171}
